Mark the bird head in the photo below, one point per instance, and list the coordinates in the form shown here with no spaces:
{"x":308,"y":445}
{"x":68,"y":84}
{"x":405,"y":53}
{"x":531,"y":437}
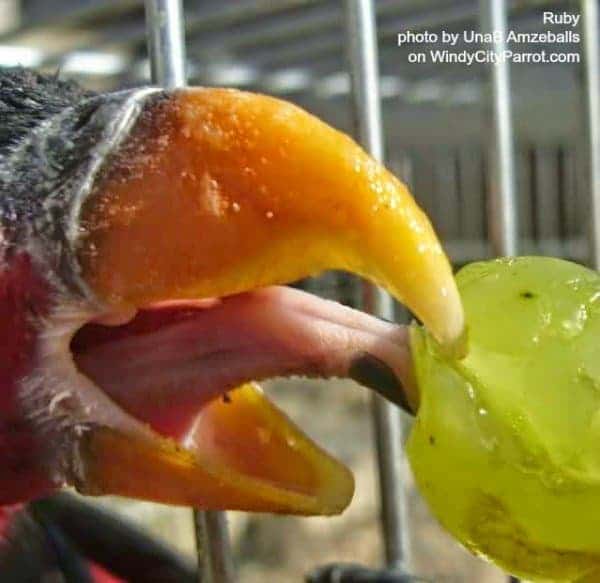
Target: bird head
{"x":144,"y":239}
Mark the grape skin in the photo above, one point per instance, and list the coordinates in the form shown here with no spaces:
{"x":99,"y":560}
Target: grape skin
{"x":506,"y":444}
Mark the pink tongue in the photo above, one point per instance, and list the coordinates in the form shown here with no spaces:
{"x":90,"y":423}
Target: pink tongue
{"x":174,"y":357}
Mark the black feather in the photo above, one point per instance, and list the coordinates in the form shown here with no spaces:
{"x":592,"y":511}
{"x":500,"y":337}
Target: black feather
{"x":28,"y":98}
{"x":50,"y":134}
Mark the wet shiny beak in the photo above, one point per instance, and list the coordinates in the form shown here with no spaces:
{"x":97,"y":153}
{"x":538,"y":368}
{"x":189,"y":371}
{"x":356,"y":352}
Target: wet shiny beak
{"x":242,"y":454}
{"x":218,"y":192}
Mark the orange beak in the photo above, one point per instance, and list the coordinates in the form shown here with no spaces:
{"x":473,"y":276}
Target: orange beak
{"x":214,"y":193}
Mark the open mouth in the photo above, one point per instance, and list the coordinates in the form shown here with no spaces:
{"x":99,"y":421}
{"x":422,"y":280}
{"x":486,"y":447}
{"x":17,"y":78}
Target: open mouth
{"x":186,"y":371}
{"x":214,"y":199}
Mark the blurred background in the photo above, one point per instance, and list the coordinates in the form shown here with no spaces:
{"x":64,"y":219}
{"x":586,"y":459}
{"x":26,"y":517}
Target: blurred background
{"x":435,"y":123}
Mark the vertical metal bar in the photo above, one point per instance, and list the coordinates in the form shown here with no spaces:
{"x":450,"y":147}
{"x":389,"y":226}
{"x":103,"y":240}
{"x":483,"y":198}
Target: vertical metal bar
{"x":447,"y":194}
{"x":591,"y":42}
{"x":471,"y":187}
{"x":571,"y":197}
{"x":501,"y":188}
{"x":389,"y":427}
{"x":166,"y":48}
{"x":166,"y":42}
{"x":525,"y":188}
{"x":214,"y":551}
{"x":547,"y":213}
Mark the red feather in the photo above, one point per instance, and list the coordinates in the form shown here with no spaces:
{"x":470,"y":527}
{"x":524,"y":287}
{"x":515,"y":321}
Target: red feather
{"x":24,"y":295}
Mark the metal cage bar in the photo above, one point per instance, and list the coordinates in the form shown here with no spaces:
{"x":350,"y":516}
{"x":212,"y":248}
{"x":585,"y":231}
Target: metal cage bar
{"x":501,"y":187}
{"x":215,"y":562}
{"x":166,"y":49}
{"x":591,"y":32}
{"x":166,"y":42}
{"x":389,"y":426}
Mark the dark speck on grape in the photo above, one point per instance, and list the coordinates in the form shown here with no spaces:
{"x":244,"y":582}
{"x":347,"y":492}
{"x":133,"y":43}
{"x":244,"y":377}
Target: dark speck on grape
{"x":527,"y":295}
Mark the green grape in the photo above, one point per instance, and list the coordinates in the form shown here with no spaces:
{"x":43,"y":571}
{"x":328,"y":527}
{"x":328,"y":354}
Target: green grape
{"x":506,"y":444}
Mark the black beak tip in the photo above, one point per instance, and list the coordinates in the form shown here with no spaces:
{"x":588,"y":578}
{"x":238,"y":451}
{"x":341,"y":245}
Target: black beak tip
{"x":373,"y":373}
